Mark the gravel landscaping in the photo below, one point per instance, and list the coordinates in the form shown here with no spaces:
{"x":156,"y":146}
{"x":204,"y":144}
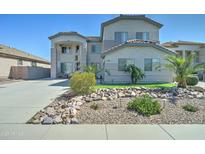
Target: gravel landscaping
{"x":116,"y":112}
{"x":109,"y":106}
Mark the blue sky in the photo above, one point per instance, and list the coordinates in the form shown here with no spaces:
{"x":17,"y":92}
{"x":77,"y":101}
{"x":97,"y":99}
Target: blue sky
{"x":30,"y":32}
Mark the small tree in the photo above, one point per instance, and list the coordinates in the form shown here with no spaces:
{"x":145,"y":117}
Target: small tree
{"x":135,"y":73}
{"x":183,"y":68}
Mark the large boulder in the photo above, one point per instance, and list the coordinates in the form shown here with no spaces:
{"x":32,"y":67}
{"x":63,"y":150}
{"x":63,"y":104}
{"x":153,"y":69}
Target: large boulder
{"x":47,"y":121}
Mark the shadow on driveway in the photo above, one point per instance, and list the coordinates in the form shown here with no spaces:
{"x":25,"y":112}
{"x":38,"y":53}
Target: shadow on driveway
{"x":61,"y":83}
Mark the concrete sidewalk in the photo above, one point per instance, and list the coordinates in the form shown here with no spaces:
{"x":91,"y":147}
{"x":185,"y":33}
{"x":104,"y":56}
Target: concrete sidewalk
{"x":102,"y":132}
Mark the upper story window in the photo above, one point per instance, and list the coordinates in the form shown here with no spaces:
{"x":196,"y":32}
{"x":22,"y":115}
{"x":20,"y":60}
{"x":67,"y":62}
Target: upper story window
{"x":151,"y":64}
{"x":19,"y":62}
{"x":121,"y":37}
{"x":124,"y":62}
{"x":33,"y":63}
{"x":142,"y":35}
{"x":65,"y":50}
{"x":95,"y":48}
{"x":77,"y":48}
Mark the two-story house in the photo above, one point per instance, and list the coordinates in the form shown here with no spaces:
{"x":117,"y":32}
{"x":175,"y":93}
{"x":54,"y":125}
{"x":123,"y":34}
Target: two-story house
{"x":124,"y":40}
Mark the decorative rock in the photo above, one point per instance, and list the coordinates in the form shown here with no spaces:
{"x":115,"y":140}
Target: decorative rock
{"x":77,"y":98}
{"x":93,"y":95}
{"x":97,"y":98}
{"x":200,"y":96}
{"x":104,"y":98}
{"x":153,"y":95}
{"x":68,"y":121}
{"x":197,"y":88}
{"x":36,"y":121}
{"x":79,"y":103}
{"x":47,"y":120}
{"x":195,"y":93}
{"x":63,"y":106}
{"x":58,"y":119}
{"x":120,"y":94}
{"x":74,"y":121}
{"x":73,"y":111}
{"x":132,"y":94}
{"x":50,"y":111}
{"x":110,"y":98}
{"x":77,"y":107}
{"x":88,"y":99}
{"x":190,"y":96}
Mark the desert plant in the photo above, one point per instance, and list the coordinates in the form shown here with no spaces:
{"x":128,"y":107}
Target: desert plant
{"x":190,"y":108}
{"x":183,"y":67}
{"x":82,"y":83}
{"x":192,"y":80}
{"x":94,"y":106}
{"x":136,"y":73}
{"x":145,"y":105}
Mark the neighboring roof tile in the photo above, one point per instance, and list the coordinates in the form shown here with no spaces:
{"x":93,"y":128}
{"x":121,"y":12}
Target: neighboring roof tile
{"x":93,"y":38}
{"x":15,"y":53}
{"x":175,"y":44}
{"x":136,"y":42}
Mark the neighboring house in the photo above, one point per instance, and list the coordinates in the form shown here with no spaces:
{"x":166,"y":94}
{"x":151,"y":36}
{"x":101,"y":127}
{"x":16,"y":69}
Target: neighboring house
{"x":185,"y":48}
{"x":124,"y":40}
{"x":21,"y":65}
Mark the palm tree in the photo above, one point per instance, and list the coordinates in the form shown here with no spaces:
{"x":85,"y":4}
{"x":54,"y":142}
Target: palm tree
{"x":182,"y":68}
{"x":94,"y":69}
{"x":135,"y":73}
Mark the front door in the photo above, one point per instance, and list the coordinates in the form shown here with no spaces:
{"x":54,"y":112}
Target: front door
{"x":66,"y":68}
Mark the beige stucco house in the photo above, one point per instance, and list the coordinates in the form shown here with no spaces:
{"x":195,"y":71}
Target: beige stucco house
{"x":185,"y":48}
{"x":124,"y":40}
{"x":18,"y":64}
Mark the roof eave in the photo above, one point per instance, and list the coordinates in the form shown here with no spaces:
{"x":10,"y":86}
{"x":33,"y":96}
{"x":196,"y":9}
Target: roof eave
{"x":140,"y":45}
{"x":142,"y":17}
{"x":61,"y":34}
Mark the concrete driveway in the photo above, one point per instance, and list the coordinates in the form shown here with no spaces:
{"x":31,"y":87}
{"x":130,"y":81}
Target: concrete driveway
{"x":19,"y":101}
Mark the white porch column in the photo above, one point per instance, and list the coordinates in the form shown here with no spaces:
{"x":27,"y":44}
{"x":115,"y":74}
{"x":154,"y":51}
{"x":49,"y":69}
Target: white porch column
{"x":53,"y":62}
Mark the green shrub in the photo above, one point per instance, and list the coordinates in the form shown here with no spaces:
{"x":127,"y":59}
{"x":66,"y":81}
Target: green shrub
{"x":145,"y":105}
{"x":190,"y":108}
{"x":82,"y":83}
{"x":94,"y":106}
{"x":192,"y":80}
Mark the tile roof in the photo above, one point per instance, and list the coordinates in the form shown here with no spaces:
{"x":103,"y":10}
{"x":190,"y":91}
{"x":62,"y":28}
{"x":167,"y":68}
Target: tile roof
{"x":136,"y":42}
{"x":66,"y":33}
{"x":15,"y":53}
{"x":88,"y":38}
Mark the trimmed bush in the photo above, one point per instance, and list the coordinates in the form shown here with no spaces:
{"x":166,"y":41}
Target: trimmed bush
{"x":145,"y":105}
{"x":190,"y":108}
{"x":82,"y":83}
{"x":192,"y":80}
